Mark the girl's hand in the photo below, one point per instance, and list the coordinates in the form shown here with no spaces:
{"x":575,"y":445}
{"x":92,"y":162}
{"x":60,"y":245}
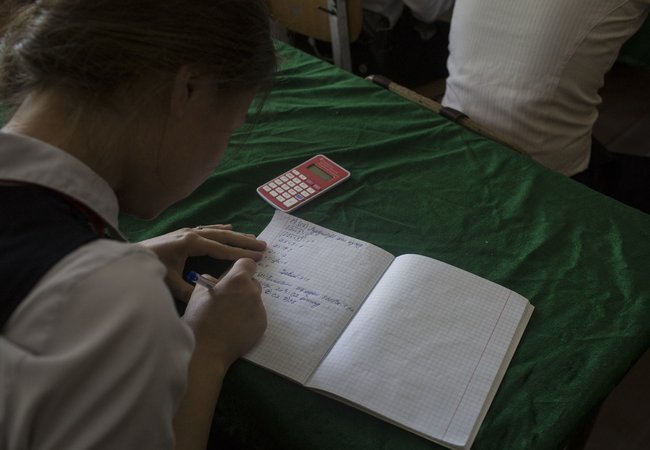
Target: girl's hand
{"x":216,"y":241}
{"x":228,"y":319}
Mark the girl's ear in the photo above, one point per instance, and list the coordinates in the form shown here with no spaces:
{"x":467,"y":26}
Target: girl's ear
{"x":181,"y":91}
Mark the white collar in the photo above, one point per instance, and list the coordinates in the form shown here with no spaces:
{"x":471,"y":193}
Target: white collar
{"x":27,"y":160}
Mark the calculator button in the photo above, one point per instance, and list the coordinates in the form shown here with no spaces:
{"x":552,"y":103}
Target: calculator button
{"x":285,"y":195}
{"x":279,"y":189}
{"x":310,"y":190}
{"x":302,"y":177}
{"x":266,"y":188}
{"x":273,"y":193}
{"x":303,"y":185}
{"x":295,"y":172}
{"x":309,"y":182}
{"x":291,"y":183}
{"x":290,"y":202}
{"x":273,"y":185}
{"x":300,"y":197}
{"x":284,"y":178}
{"x":292,"y":192}
{"x":296,"y":180}
{"x":306,"y":193}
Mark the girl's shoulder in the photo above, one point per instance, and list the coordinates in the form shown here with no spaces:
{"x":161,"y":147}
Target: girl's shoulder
{"x":102,"y":284}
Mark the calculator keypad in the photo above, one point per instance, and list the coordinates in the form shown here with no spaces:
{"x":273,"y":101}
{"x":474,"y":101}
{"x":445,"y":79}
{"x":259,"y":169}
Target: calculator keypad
{"x":291,"y":188}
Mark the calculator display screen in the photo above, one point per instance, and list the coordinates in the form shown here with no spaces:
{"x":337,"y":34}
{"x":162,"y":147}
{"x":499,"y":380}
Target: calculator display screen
{"x":319,"y":172}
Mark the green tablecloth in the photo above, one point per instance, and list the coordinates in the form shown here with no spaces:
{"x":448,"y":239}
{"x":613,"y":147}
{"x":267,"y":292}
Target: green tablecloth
{"x":421,"y":184}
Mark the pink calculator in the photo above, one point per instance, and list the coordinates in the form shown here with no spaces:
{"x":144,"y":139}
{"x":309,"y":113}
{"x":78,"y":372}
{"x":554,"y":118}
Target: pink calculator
{"x":303,"y":183}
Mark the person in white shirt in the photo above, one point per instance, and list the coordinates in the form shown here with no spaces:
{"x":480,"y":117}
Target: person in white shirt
{"x":531,"y":70}
{"x":120,"y":106}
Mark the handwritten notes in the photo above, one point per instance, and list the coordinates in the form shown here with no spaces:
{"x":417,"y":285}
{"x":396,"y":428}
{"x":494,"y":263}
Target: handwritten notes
{"x":299,"y":240}
{"x":307,"y":298}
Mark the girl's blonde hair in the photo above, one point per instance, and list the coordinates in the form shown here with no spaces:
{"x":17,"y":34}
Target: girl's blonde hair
{"x":94,"y":47}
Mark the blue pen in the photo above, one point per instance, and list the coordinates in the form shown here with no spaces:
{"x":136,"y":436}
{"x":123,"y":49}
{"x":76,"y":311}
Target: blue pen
{"x":199,"y":279}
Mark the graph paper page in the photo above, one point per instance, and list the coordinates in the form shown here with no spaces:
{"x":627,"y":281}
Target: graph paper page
{"x":313,"y":282}
{"x":427,"y":349}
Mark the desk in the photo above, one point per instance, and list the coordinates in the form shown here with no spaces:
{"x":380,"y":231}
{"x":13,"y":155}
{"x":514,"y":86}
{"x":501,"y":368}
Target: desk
{"x":421,"y":184}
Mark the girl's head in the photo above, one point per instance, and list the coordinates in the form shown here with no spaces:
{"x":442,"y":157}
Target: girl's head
{"x":136,"y":71}
{"x":95,"y":47}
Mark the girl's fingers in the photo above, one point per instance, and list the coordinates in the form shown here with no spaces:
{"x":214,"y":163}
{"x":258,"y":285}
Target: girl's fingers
{"x":231,"y":238}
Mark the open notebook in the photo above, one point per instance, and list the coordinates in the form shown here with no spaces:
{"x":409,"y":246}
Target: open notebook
{"x":412,"y":340}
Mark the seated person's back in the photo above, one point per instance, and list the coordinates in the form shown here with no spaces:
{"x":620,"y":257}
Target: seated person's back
{"x":532,"y":70}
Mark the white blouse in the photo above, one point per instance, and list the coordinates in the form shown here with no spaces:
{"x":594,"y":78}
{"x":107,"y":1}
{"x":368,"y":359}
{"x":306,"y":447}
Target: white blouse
{"x":95,"y":356}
